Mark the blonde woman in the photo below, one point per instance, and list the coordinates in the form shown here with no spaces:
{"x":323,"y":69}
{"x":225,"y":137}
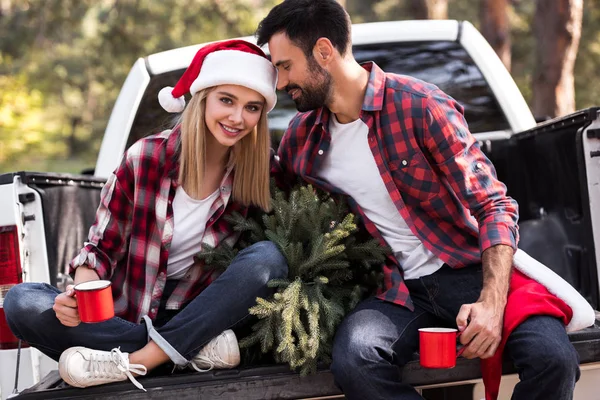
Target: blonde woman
{"x":168,"y":198}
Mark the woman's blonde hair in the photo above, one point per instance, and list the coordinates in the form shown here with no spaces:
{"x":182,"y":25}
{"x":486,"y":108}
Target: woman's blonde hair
{"x":250,"y":156}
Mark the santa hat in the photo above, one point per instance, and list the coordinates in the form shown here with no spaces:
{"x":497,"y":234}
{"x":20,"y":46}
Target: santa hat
{"x":230,"y":62}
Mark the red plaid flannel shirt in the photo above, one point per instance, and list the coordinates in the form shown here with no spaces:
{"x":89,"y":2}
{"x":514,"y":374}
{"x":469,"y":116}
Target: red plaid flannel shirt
{"x":129,"y":241}
{"x":442,"y":184}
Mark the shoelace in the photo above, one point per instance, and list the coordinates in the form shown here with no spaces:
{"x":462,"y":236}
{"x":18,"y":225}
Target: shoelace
{"x":103,"y":365}
{"x":207,"y":355}
{"x":203,"y":359}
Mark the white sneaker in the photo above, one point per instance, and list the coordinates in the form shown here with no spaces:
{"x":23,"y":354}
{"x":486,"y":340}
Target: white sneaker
{"x":222,"y":352}
{"x":83,"y":367}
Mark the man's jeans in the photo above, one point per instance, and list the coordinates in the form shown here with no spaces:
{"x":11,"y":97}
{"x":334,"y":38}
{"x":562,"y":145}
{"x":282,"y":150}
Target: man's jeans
{"x":223,"y":304}
{"x":378,"y":338}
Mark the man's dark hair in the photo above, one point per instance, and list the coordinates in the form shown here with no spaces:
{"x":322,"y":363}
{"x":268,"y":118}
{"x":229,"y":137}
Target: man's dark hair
{"x":305,"y":21}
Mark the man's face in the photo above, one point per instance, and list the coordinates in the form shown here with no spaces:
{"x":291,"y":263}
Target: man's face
{"x":302,"y":78}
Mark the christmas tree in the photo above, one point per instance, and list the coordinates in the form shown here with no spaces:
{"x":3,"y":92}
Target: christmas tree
{"x":330,"y":270}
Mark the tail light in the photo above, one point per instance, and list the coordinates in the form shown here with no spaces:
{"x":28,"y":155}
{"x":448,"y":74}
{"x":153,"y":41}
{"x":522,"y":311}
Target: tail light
{"x":10,"y":275}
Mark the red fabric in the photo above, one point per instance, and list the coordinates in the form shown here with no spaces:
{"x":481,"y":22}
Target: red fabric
{"x":191,"y":73}
{"x":526,"y":298}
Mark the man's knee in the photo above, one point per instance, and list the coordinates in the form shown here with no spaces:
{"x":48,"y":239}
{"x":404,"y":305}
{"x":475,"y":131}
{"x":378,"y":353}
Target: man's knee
{"x":357,"y":345}
{"x":546,"y":349}
{"x":560,"y":359}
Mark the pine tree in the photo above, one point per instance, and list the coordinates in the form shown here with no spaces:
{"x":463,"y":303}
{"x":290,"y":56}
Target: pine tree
{"x":330,"y":270}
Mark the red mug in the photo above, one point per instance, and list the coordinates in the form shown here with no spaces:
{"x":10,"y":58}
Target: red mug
{"x":94,"y":301}
{"x":437,"y":347}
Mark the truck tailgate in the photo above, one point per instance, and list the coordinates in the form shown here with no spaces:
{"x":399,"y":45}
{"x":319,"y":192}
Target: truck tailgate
{"x":277,"y":382}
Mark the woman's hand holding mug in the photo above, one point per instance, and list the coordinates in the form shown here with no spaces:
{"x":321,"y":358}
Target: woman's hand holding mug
{"x":65,"y":304}
{"x":65,"y":307}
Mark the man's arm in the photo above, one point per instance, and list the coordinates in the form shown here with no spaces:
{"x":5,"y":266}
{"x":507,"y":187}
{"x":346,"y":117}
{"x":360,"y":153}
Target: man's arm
{"x":481,"y":322}
{"x":473,"y":178}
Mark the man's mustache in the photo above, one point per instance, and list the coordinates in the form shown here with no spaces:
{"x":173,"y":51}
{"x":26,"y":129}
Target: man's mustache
{"x":289,"y":88}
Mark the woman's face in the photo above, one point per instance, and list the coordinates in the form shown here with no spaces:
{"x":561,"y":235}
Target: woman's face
{"x":232,"y":112}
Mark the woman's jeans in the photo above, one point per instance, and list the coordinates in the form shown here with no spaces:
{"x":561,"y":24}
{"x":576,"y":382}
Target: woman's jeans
{"x":223,"y":304}
{"x":378,"y":338}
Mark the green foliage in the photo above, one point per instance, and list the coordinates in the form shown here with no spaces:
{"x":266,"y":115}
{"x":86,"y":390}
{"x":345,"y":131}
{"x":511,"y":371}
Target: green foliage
{"x":327,"y":264}
{"x":69,"y":58}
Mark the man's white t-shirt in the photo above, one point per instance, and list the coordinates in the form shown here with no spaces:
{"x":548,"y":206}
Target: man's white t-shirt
{"x":349,"y":165}
{"x":189,"y":223}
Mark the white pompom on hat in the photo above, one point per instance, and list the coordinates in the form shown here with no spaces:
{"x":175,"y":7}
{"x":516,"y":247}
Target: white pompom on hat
{"x":229,"y":62}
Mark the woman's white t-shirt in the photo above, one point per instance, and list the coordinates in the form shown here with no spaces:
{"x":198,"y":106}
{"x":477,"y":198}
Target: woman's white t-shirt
{"x":190,"y":218}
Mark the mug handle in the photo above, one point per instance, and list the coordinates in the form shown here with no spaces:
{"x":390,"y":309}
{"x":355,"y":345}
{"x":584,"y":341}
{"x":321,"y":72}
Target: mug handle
{"x":462,"y":349}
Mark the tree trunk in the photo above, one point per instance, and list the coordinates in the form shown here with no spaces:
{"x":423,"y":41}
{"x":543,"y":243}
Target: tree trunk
{"x":495,"y":27}
{"x":557,"y":28}
{"x":429,"y":9}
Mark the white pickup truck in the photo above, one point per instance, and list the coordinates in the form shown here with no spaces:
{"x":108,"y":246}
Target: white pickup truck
{"x":552,"y":170}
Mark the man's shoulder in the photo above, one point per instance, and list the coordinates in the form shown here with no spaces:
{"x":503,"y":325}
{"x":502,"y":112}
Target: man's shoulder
{"x":409,"y":85}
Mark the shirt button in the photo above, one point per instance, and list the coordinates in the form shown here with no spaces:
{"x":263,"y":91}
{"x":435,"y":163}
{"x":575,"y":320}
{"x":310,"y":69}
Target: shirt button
{"x":211,"y":219}
{"x":404,"y":162}
{"x":153,"y":310}
{"x":479,"y":165}
{"x":320,"y":152}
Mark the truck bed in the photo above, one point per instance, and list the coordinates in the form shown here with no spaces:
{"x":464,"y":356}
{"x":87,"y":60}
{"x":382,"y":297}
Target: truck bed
{"x":278,"y":382}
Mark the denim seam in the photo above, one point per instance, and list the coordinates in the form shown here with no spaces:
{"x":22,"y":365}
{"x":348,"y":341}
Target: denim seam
{"x":406,"y":327}
{"x":431,"y":294}
{"x":165,"y":346}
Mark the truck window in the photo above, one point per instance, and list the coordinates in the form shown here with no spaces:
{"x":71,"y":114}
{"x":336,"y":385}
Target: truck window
{"x":445,"y":64}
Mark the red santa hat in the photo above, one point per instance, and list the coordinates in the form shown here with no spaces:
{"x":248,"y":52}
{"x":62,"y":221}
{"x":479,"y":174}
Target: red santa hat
{"x":230,"y":62}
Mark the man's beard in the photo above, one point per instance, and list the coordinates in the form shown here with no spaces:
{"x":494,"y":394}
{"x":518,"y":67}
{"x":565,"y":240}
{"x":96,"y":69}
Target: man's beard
{"x":316,"y":95}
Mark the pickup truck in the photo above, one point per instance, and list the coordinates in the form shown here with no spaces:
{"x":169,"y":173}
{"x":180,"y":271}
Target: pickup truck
{"x":552,"y":170}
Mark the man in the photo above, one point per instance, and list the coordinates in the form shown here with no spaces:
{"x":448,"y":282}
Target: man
{"x":401,"y":150}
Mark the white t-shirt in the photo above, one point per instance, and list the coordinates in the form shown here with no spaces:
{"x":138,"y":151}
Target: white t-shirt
{"x":349,"y":165}
{"x":189,"y":223}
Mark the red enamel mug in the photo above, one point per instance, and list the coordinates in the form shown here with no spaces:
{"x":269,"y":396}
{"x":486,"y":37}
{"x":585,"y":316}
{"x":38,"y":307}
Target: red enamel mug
{"x":94,"y":301}
{"x":437,"y":347}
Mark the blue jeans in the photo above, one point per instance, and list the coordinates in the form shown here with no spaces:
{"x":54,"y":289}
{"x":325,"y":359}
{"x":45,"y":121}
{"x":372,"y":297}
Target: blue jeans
{"x":378,"y":338}
{"x":223,"y":304}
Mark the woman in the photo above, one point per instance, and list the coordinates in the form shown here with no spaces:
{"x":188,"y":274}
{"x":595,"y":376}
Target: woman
{"x":169,"y":196}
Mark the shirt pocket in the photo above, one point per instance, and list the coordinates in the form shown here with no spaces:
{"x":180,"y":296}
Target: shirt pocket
{"x":414,"y":178}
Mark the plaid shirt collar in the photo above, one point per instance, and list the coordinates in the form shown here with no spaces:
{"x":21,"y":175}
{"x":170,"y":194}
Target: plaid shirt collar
{"x":374,"y":94}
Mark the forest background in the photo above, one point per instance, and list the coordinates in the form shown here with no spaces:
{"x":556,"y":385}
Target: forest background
{"x":62,"y":62}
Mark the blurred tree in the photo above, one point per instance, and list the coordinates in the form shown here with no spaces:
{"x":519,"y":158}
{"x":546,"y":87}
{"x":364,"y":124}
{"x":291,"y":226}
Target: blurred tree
{"x":62,"y":62}
{"x":495,"y":27}
{"x":76,"y":54}
{"x":557,"y":30}
{"x":429,"y":9}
